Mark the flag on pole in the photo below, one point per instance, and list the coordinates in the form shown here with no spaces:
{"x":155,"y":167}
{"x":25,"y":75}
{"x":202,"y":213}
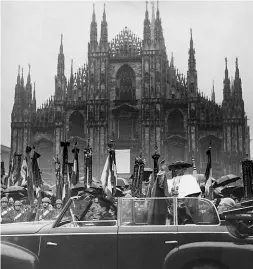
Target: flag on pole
{"x":30,"y":192}
{"x":105,"y":180}
{"x":109,"y":175}
{"x":37,"y":181}
{"x":11,"y":168}
{"x":62,"y":178}
{"x":75,"y":173}
{"x":208,"y":174}
{"x":24,"y":169}
{"x":64,"y":191}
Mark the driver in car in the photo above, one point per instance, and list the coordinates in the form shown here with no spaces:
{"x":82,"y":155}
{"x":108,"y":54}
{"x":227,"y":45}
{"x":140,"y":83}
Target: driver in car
{"x":104,"y":212}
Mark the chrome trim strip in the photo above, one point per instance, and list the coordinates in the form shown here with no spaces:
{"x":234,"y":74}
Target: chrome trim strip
{"x":203,"y":232}
{"x":123,"y":232}
{"x":171,"y":242}
{"x":51,"y":244}
{"x":59,"y":234}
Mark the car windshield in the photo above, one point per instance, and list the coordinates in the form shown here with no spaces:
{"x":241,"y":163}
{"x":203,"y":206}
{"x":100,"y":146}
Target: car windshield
{"x":86,"y":210}
{"x":90,"y":210}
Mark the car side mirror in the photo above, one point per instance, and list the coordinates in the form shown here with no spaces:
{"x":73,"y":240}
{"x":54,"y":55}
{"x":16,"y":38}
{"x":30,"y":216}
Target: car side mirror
{"x":240,"y":225}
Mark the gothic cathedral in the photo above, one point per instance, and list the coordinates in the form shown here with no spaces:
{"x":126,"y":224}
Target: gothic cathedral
{"x":131,"y":93}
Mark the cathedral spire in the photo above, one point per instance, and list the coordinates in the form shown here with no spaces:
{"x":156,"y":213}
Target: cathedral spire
{"x":192,"y":60}
{"x":22,"y":78}
{"x":28,"y":87}
{"x":213,"y":94}
{"x":71,"y":81}
{"x":192,"y":76}
{"x":237,"y":75}
{"x":237,"y":82}
{"x":157,"y":10}
{"x":226,"y":83}
{"x":172,"y":60}
{"x":18,"y":77}
{"x":104,"y":14}
{"x":61,"y":46}
{"x":146,"y":30}
{"x":226,"y":68}
{"x":104,"y":30}
{"x":34,"y":96}
{"x":29,"y":75}
{"x":152,"y":28}
{"x":61,"y":65}
{"x":93,"y":29}
{"x":158,"y":29}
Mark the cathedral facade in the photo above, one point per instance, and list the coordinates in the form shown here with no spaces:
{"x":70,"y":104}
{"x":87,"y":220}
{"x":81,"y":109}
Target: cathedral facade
{"x":131,"y":93}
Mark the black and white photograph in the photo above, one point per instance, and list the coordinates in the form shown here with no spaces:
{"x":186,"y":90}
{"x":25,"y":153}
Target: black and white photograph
{"x":126,"y":134}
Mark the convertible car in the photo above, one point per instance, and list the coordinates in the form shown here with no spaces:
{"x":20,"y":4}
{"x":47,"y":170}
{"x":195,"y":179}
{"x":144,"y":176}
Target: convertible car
{"x":132,"y":233}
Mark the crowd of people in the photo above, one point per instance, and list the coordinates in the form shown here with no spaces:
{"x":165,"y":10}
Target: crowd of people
{"x":18,"y":211}
{"x":182,"y":185}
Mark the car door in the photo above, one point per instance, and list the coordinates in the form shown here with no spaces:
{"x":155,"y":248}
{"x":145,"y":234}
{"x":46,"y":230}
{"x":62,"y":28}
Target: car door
{"x":140,"y":243}
{"x":81,"y":244}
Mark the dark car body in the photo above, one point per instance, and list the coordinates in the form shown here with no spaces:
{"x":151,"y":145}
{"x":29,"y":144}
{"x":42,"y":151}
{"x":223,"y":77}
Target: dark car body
{"x":131,"y":240}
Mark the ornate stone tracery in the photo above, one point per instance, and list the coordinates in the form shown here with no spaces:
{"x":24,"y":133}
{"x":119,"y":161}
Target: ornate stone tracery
{"x":125,"y":44}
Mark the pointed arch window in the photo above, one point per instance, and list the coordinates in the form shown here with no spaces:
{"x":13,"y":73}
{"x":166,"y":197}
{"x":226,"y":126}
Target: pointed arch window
{"x":126,"y":83}
{"x":76,"y":124}
{"x":175,"y":121}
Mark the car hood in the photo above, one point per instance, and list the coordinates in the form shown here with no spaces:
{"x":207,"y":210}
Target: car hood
{"x":23,"y":228}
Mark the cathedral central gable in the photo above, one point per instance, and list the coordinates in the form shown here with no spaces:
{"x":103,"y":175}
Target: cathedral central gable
{"x":125,"y":44}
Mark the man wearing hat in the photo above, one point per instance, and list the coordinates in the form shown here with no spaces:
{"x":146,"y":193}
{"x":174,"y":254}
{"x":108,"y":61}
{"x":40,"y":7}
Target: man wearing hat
{"x":19,"y":215}
{"x":183,"y":185}
{"x":6,"y":212}
{"x":45,"y":213}
{"x":57,"y":211}
{"x":104,"y":211}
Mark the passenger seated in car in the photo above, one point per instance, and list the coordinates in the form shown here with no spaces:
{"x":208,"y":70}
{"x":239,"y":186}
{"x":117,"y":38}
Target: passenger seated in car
{"x":225,"y":204}
{"x":184,"y":215}
{"x":104,"y":212}
{"x":94,"y":211}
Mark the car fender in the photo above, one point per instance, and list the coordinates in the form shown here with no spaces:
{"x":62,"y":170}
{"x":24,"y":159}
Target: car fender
{"x":223,"y":254}
{"x":17,"y":257}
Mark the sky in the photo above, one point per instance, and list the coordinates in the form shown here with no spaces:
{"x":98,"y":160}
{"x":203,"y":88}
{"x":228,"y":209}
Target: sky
{"x":31,"y":33}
